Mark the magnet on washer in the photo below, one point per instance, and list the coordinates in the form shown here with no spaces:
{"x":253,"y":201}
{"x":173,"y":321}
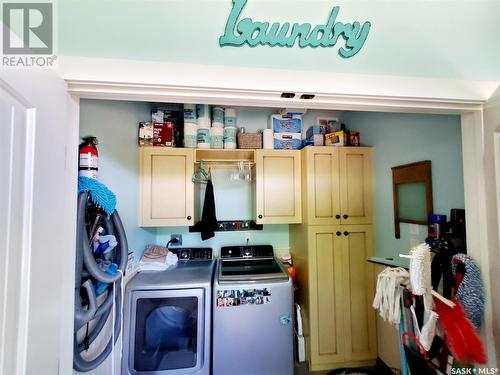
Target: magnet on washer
{"x":285,"y":319}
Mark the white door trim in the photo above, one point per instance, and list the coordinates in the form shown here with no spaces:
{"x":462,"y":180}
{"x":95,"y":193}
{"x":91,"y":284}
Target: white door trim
{"x":23,"y":240}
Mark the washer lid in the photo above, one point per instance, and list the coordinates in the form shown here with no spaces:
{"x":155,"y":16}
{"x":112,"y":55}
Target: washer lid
{"x":251,"y":269}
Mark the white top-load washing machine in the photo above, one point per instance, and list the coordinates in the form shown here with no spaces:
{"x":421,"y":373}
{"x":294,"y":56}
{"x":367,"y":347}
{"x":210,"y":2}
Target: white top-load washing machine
{"x":252,"y":313}
{"x":167,"y":318}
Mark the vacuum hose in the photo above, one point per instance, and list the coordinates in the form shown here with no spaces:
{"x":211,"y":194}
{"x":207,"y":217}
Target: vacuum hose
{"x":87,"y":265}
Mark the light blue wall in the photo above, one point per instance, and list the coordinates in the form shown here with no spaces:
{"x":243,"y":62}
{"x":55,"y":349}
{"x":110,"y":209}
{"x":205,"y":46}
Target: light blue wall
{"x":404,"y":138}
{"x":114,"y":123}
{"x":446,"y":39}
{"x":396,"y":138}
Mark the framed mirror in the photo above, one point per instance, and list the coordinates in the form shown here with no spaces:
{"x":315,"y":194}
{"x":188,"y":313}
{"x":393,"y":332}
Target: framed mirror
{"x":412,"y":194}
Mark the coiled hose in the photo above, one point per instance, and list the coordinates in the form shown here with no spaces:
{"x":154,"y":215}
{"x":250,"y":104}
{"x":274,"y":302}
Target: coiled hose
{"x":87,"y":265}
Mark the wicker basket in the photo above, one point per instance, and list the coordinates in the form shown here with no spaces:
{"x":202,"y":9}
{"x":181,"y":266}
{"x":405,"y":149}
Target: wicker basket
{"x":249,"y":140}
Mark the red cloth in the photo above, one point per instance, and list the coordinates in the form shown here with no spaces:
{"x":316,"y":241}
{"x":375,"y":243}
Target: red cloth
{"x":460,"y":335}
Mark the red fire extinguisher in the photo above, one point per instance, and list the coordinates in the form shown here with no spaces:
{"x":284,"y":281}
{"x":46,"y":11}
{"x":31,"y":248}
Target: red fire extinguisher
{"x":87,"y":166}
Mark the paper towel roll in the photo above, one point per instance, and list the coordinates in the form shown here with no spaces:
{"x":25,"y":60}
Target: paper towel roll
{"x":217,"y":137}
{"x":267,"y":139}
{"x":230,"y":119}
{"x":190,"y":113}
{"x":190,"y":131}
{"x":203,"y":122}
{"x":217,"y":116}
{"x":203,"y":114}
{"x":230,"y":135}
{"x":203,"y":137}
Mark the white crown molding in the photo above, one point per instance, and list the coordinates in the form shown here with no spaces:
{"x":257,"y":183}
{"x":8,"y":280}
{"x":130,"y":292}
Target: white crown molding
{"x":226,"y":85}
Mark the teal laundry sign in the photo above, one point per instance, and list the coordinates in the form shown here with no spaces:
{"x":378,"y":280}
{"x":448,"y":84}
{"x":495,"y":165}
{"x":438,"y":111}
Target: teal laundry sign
{"x":246,"y":31}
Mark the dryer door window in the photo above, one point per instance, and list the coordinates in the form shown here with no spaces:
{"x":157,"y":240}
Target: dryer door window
{"x":168,"y":330}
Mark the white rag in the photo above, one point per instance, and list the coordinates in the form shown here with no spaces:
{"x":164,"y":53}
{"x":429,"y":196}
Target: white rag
{"x":388,"y":293}
{"x":157,"y":258}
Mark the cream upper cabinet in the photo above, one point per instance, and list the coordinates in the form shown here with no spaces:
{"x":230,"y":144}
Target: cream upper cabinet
{"x":337,"y":184}
{"x":356,"y":186}
{"x":278,"y":186}
{"x":166,"y":189}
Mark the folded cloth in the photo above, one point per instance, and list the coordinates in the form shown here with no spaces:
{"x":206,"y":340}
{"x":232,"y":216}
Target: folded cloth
{"x":100,"y":195}
{"x":157,"y":258}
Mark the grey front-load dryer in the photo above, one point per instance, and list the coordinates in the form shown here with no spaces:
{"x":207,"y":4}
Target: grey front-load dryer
{"x":252,"y":317}
{"x":167,"y":318}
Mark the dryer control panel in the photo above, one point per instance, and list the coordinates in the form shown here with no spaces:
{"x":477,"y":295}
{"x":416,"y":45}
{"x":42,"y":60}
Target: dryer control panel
{"x":192,"y":253}
{"x":253,"y":251}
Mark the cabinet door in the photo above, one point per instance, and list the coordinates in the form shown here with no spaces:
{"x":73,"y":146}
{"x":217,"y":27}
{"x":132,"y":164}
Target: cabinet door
{"x":278,"y":186}
{"x":322,"y":189}
{"x":358,"y":292}
{"x":167,"y":192}
{"x":356,"y":194}
{"x":327,"y":344}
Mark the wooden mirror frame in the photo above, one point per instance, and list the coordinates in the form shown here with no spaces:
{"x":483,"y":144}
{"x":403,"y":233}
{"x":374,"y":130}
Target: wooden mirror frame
{"x":410,"y":174}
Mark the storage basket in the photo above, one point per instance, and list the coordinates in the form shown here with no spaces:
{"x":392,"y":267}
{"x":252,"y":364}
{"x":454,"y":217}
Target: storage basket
{"x":249,"y":140}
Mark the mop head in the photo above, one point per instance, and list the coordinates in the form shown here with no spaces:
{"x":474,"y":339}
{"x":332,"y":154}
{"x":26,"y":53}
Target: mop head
{"x":388,"y":293}
{"x":461,"y":336}
{"x":100,"y":195}
{"x":470,"y":292}
{"x":420,"y":270}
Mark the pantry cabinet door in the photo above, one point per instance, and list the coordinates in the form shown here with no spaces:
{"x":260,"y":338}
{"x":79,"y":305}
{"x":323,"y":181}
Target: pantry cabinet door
{"x":327,"y":326}
{"x":356,"y":187}
{"x":322,"y":185}
{"x":278,"y":187}
{"x":358,"y":293}
{"x":167,"y":192}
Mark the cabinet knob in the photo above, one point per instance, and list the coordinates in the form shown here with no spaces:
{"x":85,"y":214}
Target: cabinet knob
{"x":338,"y":233}
{"x":337,"y":216}
{"x":346,"y":233}
{"x":189,"y":218}
{"x":260,"y":216}
{"x":345,"y":216}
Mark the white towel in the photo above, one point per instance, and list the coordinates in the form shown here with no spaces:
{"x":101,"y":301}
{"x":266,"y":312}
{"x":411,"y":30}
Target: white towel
{"x":157,"y":258}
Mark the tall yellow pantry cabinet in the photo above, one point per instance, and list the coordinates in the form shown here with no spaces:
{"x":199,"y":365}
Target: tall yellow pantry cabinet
{"x":330,"y":249}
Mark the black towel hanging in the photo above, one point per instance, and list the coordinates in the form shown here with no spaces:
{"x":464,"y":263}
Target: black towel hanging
{"x":208,"y":217}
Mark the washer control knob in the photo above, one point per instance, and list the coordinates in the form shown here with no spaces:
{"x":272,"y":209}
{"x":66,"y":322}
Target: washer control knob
{"x":247,"y":252}
{"x":185,"y":254}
